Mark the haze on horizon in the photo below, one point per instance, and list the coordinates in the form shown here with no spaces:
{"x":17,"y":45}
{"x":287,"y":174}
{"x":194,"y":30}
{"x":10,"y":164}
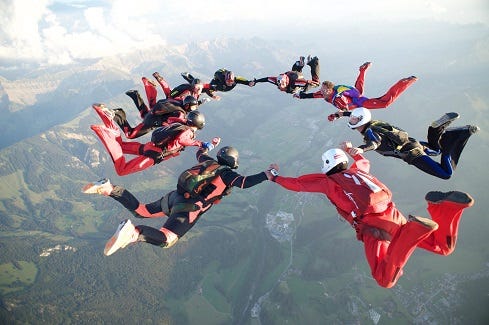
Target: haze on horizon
{"x":53,"y":32}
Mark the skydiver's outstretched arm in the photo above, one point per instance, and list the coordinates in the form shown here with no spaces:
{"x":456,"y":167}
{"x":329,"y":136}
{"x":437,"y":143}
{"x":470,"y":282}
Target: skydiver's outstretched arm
{"x":272,"y":80}
{"x":304,"y":95}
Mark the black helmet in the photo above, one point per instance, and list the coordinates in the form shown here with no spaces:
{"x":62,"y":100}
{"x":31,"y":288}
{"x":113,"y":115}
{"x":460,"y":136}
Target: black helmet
{"x":196,"y":118}
{"x":228,"y":156}
{"x":189,"y":101}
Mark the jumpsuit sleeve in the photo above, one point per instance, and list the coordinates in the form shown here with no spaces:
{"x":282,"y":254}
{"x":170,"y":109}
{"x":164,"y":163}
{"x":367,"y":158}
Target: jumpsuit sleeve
{"x":241,"y":80}
{"x":317,"y":94}
{"x":361,"y":163}
{"x":272,"y":80}
{"x":372,"y":140}
{"x":203,"y":155}
{"x":231,"y":178}
{"x":314,"y":183}
{"x":209,"y":90}
{"x":186,"y":139}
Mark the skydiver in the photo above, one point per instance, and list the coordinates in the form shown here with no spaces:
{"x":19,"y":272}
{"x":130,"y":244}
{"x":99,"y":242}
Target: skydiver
{"x":165,"y":111}
{"x":347,"y":97}
{"x":392,"y":141}
{"x":224,"y":80}
{"x":193,"y":88}
{"x":178,"y":94}
{"x":361,"y":199}
{"x":182,"y":211}
{"x":160,"y":147}
{"x":293,"y":81}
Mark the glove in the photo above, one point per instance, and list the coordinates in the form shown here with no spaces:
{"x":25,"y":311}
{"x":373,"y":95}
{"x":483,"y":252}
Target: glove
{"x":207,"y":145}
{"x":296,"y":95}
{"x":313,"y":83}
{"x":332,"y":117}
{"x":216,"y":141}
{"x":204,"y":100}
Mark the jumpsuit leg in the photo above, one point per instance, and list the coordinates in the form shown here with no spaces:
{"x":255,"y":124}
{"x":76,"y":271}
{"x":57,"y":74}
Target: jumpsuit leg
{"x":163,"y":84}
{"x":138,"y":131}
{"x":138,"y":101}
{"x":441,"y":170}
{"x":297,"y":66}
{"x":434,"y":136}
{"x":106,"y":115}
{"x":453,"y":141}
{"x":113,"y":145}
{"x":388,"y":98}
{"x":130,"y":132}
{"x":177,"y":225}
{"x":131,"y":148}
{"x":315,"y":69}
{"x":121,"y":119}
{"x":151,"y":92}
{"x":387,"y":259}
{"x":150,"y":210}
{"x":447,"y":214}
{"x":359,"y":83}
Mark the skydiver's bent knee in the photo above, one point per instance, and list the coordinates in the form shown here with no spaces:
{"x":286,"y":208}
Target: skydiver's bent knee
{"x":171,"y":237}
{"x":152,"y":236}
{"x":387,"y":280}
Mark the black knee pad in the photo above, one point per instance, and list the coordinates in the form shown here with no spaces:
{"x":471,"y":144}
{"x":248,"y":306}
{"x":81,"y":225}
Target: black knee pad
{"x":151,"y":235}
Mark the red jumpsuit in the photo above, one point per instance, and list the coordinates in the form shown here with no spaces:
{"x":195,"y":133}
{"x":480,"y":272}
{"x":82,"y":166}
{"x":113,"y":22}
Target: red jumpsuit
{"x":347,"y":98}
{"x":389,"y":239}
{"x":147,"y":154}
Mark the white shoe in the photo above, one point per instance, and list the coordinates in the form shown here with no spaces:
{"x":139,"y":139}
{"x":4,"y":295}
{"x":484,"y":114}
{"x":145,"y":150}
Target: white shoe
{"x":102,"y":187}
{"x":125,"y":234}
{"x":105,"y":110}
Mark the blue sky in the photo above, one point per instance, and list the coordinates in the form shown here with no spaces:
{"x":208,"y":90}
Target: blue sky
{"x":59,"y":32}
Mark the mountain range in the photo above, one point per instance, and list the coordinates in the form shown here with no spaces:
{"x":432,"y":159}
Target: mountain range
{"x":230,"y":268}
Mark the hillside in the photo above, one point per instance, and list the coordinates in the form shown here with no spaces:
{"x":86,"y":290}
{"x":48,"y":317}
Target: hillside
{"x":232,"y":266}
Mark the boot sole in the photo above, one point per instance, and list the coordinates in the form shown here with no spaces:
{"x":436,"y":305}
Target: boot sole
{"x":445,"y":119}
{"x":452,"y":196}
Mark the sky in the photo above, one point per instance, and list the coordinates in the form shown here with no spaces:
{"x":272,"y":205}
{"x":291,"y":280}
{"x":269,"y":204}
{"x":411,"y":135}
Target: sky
{"x":53,"y":32}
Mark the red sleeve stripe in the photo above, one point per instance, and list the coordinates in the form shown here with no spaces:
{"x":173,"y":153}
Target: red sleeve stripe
{"x":242,"y":182}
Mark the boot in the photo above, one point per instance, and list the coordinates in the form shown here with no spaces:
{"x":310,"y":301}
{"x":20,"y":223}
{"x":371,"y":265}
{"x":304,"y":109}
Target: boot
{"x":437,"y":197}
{"x":365,"y":66}
{"x":138,"y":101}
{"x":187,"y":76}
{"x":436,"y":129}
{"x":453,"y":141}
{"x":445,"y":120}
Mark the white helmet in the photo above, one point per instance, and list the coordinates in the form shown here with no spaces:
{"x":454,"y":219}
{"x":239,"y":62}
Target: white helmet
{"x":332,"y":158}
{"x":362,"y":115}
{"x":282,"y":81}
